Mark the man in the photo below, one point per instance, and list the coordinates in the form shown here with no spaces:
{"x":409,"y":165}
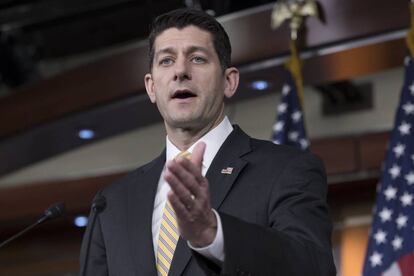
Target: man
{"x":236,"y":205}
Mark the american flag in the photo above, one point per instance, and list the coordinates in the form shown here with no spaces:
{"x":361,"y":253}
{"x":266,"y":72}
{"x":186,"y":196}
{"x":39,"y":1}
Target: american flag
{"x":289,"y":128}
{"x":391,"y":242}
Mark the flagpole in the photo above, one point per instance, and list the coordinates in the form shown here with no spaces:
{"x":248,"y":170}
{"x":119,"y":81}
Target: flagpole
{"x":289,"y":128}
{"x":410,"y":34}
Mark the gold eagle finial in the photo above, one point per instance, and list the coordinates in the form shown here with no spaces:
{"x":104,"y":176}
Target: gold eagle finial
{"x":295,"y":11}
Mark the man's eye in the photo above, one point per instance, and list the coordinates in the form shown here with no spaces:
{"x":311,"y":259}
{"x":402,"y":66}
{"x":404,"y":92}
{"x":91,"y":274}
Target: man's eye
{"x":166,"y":61}
{"x":199,"y":60}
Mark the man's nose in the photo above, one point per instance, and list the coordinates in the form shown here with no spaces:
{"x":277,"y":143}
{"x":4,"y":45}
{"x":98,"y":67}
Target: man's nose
{"x":182,"y":70}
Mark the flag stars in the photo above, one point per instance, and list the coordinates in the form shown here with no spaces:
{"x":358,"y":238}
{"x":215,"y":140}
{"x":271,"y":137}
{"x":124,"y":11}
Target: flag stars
{"x":282,"y":108}
{"x":404,"y":128}
{"x":411,"y":87}
{"x":397,"y":243}
{"x":407,"y":60}
{"x":296,"y":116}
{"x":399,"y":150}
{"x":395,"y":171}
{"x":410,"y":178}
{"x":390,"y":193}
{"x":406,"y":199}
{"x":401,"y":221}
{"x":304,"y":143}
{"x":408,"y":108}
{"x":380,"y":236}
{"x":278,"y":126}
{"x":375,"y":259}
{"x":289,"y":128}
{"x":293,"y":136}
{"x":285,"y":89}
{"x":385,"y":214}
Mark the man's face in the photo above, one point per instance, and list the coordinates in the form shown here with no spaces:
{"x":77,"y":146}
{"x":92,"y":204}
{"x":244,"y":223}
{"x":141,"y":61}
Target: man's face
{"x":187,"y":82}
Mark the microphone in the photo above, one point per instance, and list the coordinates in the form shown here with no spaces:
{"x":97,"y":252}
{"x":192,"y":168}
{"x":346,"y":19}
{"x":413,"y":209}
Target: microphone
{"x":98,"y":205}
{"x":52,"y":212}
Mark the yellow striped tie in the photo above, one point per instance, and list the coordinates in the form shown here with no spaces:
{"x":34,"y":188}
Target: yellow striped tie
{"x":168,"y":236}
{"x":167,"y":240}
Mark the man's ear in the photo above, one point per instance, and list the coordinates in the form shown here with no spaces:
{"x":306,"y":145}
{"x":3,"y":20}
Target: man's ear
{"x":232,"y":81}
{"x":149,"y":86}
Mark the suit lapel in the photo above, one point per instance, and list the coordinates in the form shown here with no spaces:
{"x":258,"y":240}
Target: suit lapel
{"x":141,"y":195}
{"x":229,"y":156}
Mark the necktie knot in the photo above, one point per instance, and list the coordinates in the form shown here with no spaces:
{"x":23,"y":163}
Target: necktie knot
{"x":184,"y":154}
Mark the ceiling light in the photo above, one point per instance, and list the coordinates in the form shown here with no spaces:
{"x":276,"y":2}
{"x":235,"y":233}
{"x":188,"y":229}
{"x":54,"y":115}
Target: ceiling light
{"x":86,"y":134}
{"x":260,"y":85}
{"x":80,"y":221}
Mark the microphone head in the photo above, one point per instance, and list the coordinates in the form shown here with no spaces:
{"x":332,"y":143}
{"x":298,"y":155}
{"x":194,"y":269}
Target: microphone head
{"x":99,"y":204}
{"x":55,"y":210}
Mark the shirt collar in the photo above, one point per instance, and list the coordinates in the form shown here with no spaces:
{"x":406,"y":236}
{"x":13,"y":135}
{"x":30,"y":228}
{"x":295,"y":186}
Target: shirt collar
{"x":213,"y":140}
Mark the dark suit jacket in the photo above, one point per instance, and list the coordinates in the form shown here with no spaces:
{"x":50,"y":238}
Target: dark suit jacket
{"x":272,"y":206}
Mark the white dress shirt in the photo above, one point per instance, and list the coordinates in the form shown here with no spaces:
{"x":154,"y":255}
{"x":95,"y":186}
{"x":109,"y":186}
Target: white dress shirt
{"x":213,"y":140}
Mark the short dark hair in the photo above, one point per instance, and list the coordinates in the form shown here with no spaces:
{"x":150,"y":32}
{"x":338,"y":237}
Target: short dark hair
{"x":181,"y":18}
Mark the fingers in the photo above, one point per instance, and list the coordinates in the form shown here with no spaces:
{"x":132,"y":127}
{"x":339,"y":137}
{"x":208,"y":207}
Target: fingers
{"x":181,"y":211}
{"x":198,"y":154}
{"x":181,"y":190}
{"x":191,"y":168}
{"x":190,"y":199}
{"x":186,"y":180}
{"x":195,"y":165}
{"x":183,"y":181}
{"x":187,"y":183}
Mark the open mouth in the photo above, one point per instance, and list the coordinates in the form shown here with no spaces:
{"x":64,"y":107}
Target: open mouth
{"x":183,"y":94}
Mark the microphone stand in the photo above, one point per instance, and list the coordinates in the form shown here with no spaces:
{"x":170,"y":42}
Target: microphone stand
{"x":98,"y":206}
{"x":53,"y":211}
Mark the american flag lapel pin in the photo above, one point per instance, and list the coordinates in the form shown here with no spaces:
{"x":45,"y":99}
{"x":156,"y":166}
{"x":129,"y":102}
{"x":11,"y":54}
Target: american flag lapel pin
{"x":227,"y":170}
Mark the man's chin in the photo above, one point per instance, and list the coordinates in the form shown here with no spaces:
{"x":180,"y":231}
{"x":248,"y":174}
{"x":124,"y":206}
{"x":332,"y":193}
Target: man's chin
{"x":186,"y":123}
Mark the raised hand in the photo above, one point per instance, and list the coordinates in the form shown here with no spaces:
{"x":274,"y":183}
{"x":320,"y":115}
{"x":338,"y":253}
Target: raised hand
{"x":190,"y":198}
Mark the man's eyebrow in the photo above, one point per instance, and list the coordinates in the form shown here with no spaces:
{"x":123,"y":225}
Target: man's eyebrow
{"x":168,"y":50}
{"x":193,"y":49}
{"x":189,"y":50}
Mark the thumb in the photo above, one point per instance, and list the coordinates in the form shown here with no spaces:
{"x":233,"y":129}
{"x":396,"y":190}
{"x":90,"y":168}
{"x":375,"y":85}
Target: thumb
{"x":198,"y":154}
